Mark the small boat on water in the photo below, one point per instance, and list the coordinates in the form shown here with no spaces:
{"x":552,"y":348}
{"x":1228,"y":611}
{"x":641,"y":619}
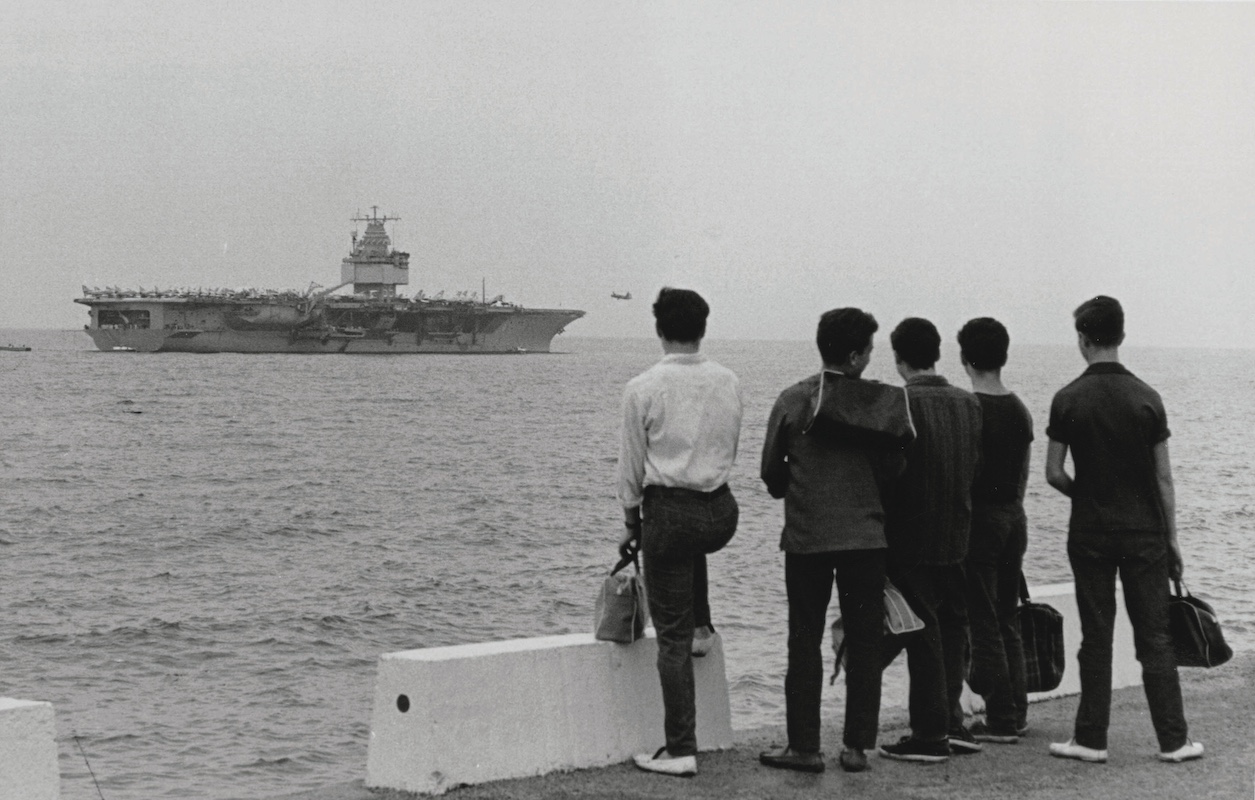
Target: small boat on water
{"x":17,"y":348}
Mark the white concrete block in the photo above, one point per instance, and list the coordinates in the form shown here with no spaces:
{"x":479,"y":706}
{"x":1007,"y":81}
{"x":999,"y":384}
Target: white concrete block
{"x":1125,"y":668}
{"x":447,"y":716}
{"x":28,"y":751}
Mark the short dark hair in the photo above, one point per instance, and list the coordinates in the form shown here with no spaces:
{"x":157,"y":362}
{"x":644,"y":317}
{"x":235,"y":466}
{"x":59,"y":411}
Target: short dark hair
{"x":680,"y":315}
{"x":916,"y":342}
{"x":843,"y":331}
{"x":983,"y":343}
{"x":1101,"y":320}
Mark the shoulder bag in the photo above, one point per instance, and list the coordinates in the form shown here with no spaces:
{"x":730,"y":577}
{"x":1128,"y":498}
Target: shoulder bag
{"x":1196,"y":637}
{"x":1041,"y":629}
{"x":620,"y":611}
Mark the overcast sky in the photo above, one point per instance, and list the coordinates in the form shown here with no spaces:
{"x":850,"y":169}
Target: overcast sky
{"x":933,"y":159}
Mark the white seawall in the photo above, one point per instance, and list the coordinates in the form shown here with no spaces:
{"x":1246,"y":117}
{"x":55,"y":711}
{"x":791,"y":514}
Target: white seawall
{"x":448,"y":716}
{"x":28,"y":751}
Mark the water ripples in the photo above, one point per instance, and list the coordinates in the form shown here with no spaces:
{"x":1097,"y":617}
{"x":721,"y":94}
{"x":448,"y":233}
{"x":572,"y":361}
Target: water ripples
{"x":204,"y":589}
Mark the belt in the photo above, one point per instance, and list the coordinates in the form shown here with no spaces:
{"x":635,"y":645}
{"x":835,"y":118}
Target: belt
{"x":677,"y":491}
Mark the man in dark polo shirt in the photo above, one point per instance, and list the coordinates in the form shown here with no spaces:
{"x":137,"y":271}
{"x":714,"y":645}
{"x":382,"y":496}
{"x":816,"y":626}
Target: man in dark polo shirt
{"x":833,"y":527}
{"x":1123,"y":520}
{"x":927,"y":527}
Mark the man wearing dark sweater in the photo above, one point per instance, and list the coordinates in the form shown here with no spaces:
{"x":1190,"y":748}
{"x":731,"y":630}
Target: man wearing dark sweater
{"x":999,"y":536}
{"x":927,"y":526}
{"x":831,"y":483}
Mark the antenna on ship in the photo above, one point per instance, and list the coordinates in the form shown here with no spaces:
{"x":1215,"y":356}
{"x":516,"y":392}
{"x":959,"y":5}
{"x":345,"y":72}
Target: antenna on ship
{"x":374,"y":216}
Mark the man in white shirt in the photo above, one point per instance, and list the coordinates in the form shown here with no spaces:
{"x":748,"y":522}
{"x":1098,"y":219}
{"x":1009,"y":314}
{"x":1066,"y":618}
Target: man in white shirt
{"x":681,"y":423}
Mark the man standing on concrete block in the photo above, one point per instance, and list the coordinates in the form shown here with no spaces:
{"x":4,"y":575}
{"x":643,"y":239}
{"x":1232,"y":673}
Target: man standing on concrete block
{"x":830,"y":473}
{"x":927,"y":524}
{"x":681,"y":424}
{"x":1123,"y":520}
{"x":995,"y":552}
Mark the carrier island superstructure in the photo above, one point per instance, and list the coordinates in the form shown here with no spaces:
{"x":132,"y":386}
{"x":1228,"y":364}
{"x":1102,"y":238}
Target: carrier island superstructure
{"x":373,"y":319}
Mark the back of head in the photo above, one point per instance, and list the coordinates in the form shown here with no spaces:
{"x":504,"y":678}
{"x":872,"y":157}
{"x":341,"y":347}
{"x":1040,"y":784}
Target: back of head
{"x":916,"y":342}
{"x":983,"y":343}
{"x":680,"y":315}
{"x":1101,"y":321}
{"x":843,"y":331}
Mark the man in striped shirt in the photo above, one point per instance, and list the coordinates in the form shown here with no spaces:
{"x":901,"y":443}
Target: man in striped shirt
{"x":927,"y":525}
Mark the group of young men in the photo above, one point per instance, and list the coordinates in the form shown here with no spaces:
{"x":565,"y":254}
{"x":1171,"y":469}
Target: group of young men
{"x":921,"y":487}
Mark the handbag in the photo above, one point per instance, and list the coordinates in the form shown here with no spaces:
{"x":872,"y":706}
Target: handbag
{"x":861,"y":412}
{"x":1041,"y":629}
{"x":620,"y":610}
{"x":900,"y":619}
{"x":1195,"y":630}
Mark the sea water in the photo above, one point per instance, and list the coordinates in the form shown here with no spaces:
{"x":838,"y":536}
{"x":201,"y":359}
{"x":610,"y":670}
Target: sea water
{"x":203,"y":556}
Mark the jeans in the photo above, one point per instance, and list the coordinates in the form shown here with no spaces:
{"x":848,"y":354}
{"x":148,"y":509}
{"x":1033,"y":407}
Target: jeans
{"x":679,"y":528}
{"x":1141,"y":560}
{"x":936,"y":657}
{"x":860,"y":577}
{"x":994,"y":558}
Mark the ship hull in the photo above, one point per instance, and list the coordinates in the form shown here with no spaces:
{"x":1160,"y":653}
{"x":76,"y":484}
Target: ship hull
{"x":373,"y":319}
{"x":206,"y":328}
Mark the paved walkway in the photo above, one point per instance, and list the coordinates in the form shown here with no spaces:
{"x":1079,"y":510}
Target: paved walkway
{"x":1220,"y":705}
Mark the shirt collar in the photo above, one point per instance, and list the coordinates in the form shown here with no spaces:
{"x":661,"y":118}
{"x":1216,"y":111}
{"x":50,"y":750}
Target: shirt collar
{"x":1107,"y":368}
{"x":683,"y":358}
{"x":927,"y":380}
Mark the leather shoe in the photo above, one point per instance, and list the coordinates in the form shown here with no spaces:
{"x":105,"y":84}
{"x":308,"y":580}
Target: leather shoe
{"x":666,"y":764}
{"x":788,"y":758}
{"x":1070,"y":749}
{"x":853,"y":759}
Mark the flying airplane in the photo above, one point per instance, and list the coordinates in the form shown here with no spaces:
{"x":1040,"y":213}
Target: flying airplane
{"x":624,"y":296}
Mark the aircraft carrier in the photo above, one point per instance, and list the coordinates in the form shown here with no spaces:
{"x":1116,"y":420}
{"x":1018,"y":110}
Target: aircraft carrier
{"x":373,"y":319}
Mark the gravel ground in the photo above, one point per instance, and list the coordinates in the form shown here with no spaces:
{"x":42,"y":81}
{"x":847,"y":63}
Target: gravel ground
{"x":1219,"y":703}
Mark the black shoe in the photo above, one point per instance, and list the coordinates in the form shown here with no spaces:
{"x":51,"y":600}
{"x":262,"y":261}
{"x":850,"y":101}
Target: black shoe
{"x":853,"y":759}
{"x":962,"y":743}
{"x":981,"y":732}
{"x":909,"y":749}
{"x":788,"y":758}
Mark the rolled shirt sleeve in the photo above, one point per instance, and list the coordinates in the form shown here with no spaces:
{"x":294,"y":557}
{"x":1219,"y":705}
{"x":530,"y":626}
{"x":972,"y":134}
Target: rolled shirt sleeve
{"x":632,"y":442}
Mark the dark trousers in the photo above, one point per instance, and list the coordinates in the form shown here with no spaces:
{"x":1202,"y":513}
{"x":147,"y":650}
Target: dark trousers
{"x":860,"y":578}
{"x":679,"y":528}
{"x":1141,"y":560}
{"x":936,"y":657}
{"x":994,"y":559}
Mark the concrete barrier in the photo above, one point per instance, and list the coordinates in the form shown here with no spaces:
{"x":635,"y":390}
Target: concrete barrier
{"x":1125,"y":669}
{"x":28,"y":751}
{"x":448,"y":716}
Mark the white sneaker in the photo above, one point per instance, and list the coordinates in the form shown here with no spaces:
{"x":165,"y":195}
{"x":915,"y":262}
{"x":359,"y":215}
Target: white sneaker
{"x":1186,"y":752}
{"x":667,"y":764}
{"x":703,"y":640}
{"x":1070,"y":749}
